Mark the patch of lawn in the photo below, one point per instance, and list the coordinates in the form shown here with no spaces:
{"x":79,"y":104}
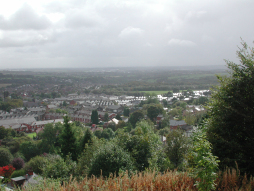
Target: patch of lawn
{"x":31,"y":135}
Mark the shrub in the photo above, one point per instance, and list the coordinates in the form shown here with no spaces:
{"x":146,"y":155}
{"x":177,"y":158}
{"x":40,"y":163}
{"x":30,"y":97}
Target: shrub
{"x":18,"y":173}
{"x":57,"y":167}
{"x":110,"y":158}
{"x":6,"y":171}
{"x":36,"y":164}
{"x":18,"y":163}
{"x":5,"y":157}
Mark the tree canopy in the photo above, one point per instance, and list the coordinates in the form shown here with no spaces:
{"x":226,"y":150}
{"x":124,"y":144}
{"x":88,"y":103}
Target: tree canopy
{"x":231,"y":126}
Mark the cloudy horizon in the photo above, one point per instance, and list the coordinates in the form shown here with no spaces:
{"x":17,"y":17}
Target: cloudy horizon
{"x":122,"y":33}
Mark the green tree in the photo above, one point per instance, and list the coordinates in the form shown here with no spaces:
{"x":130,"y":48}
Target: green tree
{"x":29,"y":149}
{"x":3,"y":132}
{"x":35,"y":164}
{"x":231,"y":126}
{"x":94,"y":117}
{"x":202,"y":164}
{"x":118,"y":117}
{"x":5,"y":157}
{"x":68,"y":140}
{"x":106,"y":117}
{"x":87,"y":139}
{"x":144,"y":146}
{"x":57,"y":167}
{"x":110,"y":158}
{"x":177,"y":147}
{"x":126,"y":111}
{"x":135,"y":117}
{"x":107,"y":133}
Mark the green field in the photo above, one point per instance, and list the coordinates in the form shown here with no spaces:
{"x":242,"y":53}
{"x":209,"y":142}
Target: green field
{"x":4,"y":85}
{"x":31,"y":135}
{"x":155,"y":92}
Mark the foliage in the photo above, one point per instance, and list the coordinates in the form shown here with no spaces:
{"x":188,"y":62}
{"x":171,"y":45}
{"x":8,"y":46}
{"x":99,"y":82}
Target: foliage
{"x":36,"y":164}
{"x":126,"y":111}
{"x":18,"y":173}
{"x":97,"y":133}
{"x":87,"y":139}
{"x":18,"y":163}
{"x":203,"y":164}
{"x":112,"y":125}
{"x":3,"y":132}
{"x":49,"y":137}
{"x":94,"y":117}
{"x":231,"y":126}
{"x":164,"y":132}
{"x":201,"y":101}
{"x":120,"y":125}
{"x":143,"y":146}
{"x":118,"y":117}
{"x":107,"y":133}
{"x":135,"y":117}
{"x":177,"y":147}
{"x":5,"y":157}
{"x":106,"y":117}
{"x":6,"y":171}
{"x":57,"y":167}
{"x":68,"y":141}
{"x":110,"y":158}
{"x":29,"y":149}
{"x":153,"y":111}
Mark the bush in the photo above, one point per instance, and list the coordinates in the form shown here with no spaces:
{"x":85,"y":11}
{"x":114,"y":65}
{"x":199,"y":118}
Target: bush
{"x":18,"y":173}
{"x":110,"y":158}
{"x":5,"y":157}
{"x":18,"y":163}
{"x":36,"y":164}
{"x":57,"y":167}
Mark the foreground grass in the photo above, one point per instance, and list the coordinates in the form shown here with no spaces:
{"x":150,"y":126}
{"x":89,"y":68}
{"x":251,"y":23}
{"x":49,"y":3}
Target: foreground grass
{"x":170,"y":180}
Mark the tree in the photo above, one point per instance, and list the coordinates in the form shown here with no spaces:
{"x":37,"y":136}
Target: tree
{"x":87,"y":139}
{"x":202,"y":163}
{"x":29,"y":149}
{"x":68,"y":140}
{"x":118,"y":117}
{"x":107,"y":133}
{"x":57,"y":167}
{"x":135,"y":117}
{"x":231,"y":126}
{"x":177,"y":147}
{"x":36,"y":164}
{"x":126,"y":111}
{"x":110,"y":158}
{"x":94,"y":117}
{"x":18,"y":163}
{"x":106,"y":117}
{"x":153,"y":111}
{"x":144,"y":146}
{"x":5,"y":157}
{"x":3,"y":132}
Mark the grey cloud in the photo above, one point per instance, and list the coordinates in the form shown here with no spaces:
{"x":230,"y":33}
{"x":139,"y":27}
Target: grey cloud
{"x":25,"y":18}
{"x":77,"y":19}
{"x":23,"y":39}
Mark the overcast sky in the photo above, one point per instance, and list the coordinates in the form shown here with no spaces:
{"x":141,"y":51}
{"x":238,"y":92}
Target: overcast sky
{"x":116,"y":33}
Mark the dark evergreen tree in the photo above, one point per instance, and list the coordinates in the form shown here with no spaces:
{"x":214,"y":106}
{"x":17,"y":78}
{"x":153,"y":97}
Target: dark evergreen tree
{"x":106,"y":117}
{"x":231,"y":122}
{"x":126,"y":112}
{"x":68,"y":140}
{"x":118,"y":117}
{"x":94,"y":117}
{"x":87,"y":139}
